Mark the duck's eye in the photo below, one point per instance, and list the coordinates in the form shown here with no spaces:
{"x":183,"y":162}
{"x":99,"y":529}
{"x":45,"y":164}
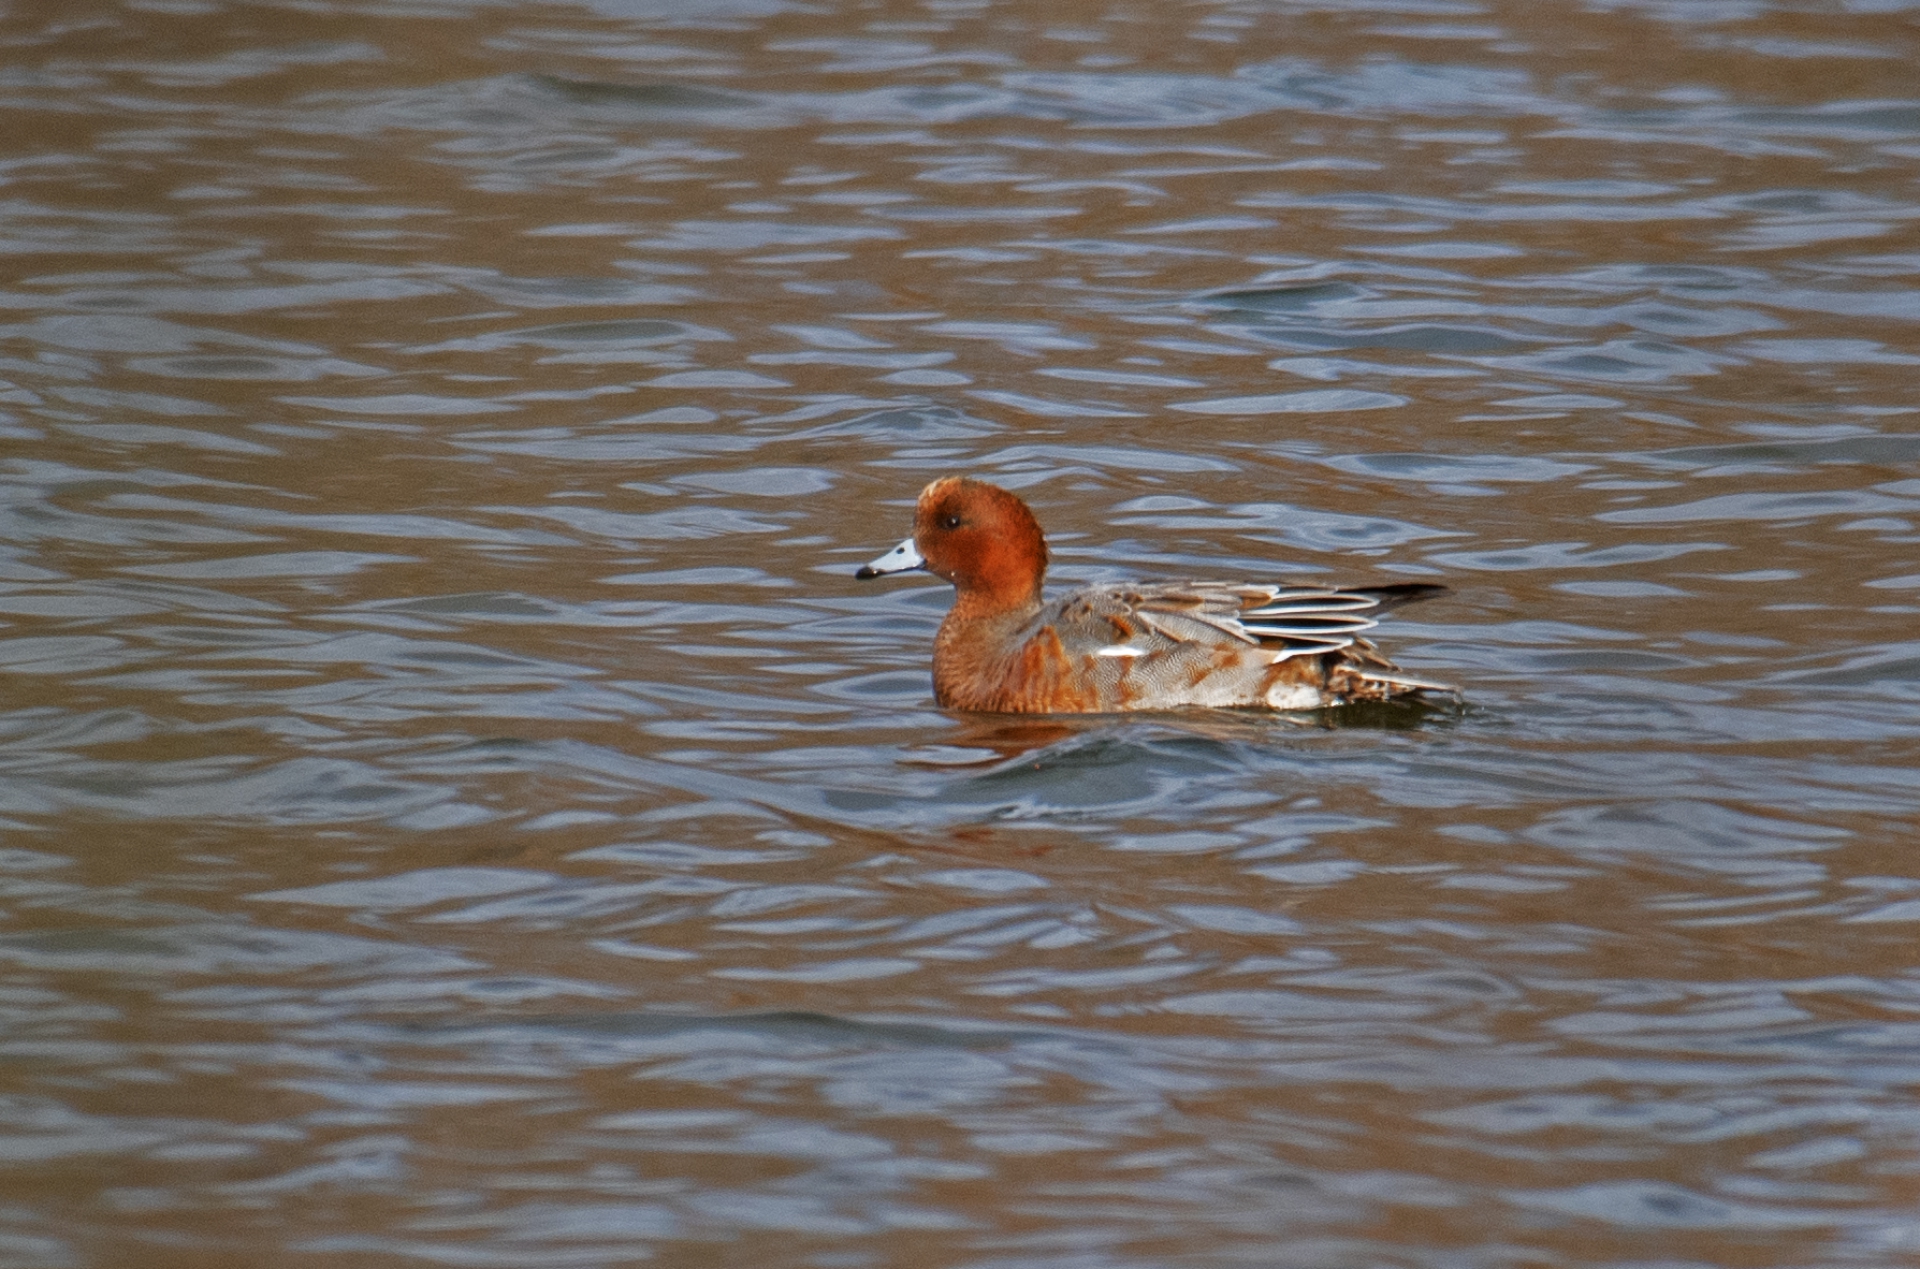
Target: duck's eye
{"x":951,"y":521}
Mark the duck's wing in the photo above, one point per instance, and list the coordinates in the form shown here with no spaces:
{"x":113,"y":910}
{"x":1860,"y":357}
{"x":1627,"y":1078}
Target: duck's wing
{"x":1309,"y":618}
{"x":1288,"y":620}
{"x":1174,"y":644}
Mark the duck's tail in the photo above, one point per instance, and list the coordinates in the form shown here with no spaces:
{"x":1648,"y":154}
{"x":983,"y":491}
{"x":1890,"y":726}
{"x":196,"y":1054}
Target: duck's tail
{"x":1397,"y":594}
{"x":1362,"y":674}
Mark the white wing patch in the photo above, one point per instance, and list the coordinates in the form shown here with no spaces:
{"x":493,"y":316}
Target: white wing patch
{"x":1120,"y":650}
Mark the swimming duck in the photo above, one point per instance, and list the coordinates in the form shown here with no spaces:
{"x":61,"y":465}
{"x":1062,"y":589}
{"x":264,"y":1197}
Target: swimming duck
{"x":1131,"y":646}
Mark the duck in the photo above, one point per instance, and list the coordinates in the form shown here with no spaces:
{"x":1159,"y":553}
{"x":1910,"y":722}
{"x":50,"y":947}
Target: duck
{"x":1116,"y":647}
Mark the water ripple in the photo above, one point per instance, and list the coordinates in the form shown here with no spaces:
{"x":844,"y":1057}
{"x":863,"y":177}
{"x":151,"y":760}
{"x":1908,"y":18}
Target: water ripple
{"x":455,"y":785}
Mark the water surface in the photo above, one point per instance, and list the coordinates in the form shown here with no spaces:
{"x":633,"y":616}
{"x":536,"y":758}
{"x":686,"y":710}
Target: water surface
{"x":461,"y":810}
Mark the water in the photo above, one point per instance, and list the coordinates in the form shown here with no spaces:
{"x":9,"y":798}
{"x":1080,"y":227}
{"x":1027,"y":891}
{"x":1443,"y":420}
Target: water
{"x":461,"y":810}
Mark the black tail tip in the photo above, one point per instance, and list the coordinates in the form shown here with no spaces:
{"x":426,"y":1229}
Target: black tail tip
{"x":1405,"y":593}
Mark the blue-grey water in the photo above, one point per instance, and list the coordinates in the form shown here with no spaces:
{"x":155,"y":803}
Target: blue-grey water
{"x":460,"y":810}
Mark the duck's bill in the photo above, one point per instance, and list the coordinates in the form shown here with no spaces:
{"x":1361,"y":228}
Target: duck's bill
{"x":901,"y":559}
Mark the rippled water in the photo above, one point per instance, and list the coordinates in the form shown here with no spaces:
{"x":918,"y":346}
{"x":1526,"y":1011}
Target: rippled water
{"x":461,"y":810}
